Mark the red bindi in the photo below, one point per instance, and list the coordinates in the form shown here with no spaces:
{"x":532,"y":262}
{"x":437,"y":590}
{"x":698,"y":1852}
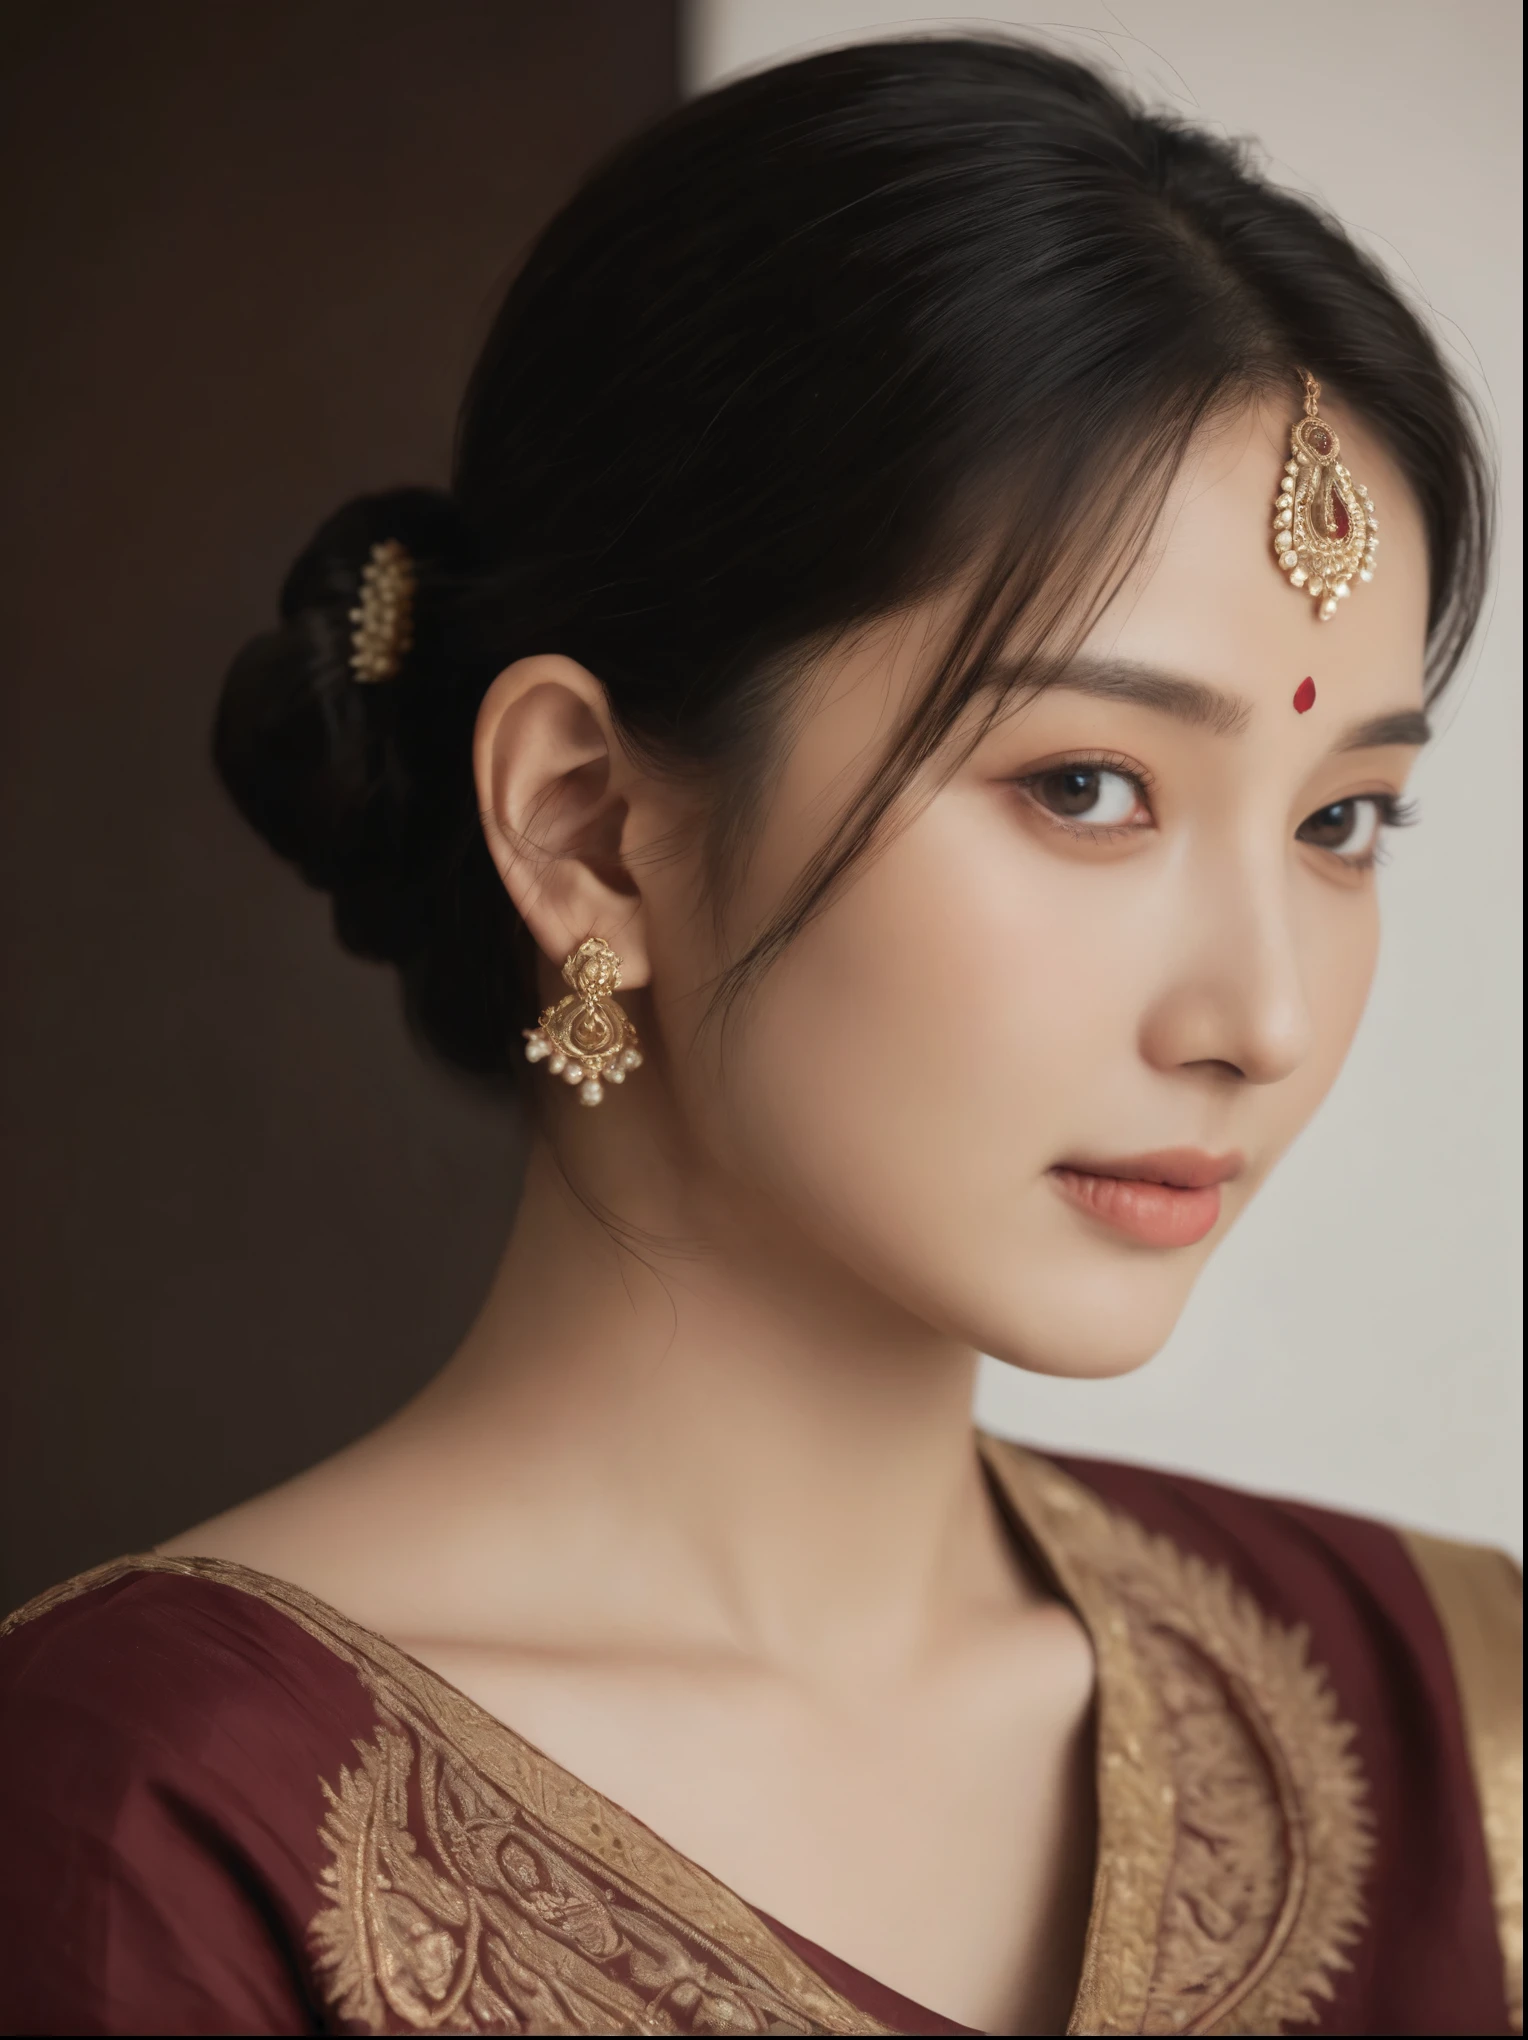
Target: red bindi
{"x":1305,"y":695}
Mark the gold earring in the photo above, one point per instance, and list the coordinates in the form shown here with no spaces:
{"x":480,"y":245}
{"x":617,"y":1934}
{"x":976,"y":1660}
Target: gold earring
{"x":586,"y":1038}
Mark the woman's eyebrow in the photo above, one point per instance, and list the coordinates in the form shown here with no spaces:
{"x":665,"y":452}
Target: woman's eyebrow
{"x":1406,"y":726}
{"x":1186,"y":701}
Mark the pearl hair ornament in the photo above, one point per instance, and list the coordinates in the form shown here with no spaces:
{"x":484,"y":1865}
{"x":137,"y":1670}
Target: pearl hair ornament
{"x":587,"y":1039}
{"x":382,"y":621}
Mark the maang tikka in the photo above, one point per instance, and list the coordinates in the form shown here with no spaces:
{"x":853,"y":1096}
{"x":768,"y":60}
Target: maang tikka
{"x":1325,"y":531}
{"x":586,"y":1038}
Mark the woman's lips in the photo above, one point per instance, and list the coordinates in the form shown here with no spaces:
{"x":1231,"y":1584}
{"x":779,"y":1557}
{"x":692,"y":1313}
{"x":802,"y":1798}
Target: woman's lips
{"x":1170,"y":1199}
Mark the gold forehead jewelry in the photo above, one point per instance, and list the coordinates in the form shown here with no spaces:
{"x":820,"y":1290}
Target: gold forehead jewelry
{"x":383,"y":619}
{"x":586,"y":1036}
{"x":1324,"y":528}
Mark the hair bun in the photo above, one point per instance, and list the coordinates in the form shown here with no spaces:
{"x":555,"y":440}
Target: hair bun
{"x":327,"y":767}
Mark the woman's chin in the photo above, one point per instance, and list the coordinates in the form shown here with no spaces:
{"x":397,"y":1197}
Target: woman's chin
{"x":1087,"y":1331}
{"x":1078,"y":1361}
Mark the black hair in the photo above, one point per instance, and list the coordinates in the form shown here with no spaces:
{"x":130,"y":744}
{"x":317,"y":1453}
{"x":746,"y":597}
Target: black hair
{"x":790,"y":360}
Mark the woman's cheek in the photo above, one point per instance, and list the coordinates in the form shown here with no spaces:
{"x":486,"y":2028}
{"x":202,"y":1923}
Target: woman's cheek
{"x":926,"y":1040}
{"x":1341,"y":949}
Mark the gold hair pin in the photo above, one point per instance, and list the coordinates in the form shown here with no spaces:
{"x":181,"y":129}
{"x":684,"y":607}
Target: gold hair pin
{"x":1324,"y":528}
{"x":383,"y":618}
{"x":587,"y":1035}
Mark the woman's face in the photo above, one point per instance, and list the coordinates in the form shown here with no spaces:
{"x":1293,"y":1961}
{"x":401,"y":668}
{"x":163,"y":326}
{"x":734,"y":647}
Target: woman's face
{"x":1129,"y":940}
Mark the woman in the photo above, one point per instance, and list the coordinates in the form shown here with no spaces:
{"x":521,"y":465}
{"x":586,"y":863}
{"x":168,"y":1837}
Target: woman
{"x":942,"y":586}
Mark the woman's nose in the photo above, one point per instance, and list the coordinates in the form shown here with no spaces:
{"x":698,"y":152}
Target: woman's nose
{"x":1235,"y":996}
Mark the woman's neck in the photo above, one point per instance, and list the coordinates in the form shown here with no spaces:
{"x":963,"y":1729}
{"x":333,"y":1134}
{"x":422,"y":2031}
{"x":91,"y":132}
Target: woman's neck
{"x":713,"y":1429}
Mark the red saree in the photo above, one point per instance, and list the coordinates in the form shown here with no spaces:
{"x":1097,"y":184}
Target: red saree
{"x":226,"y":1809}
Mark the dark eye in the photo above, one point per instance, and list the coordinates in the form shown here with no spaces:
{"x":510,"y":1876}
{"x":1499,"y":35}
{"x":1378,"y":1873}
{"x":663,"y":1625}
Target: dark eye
{"x":1349,"y":827}
{"x":1086,"y":793}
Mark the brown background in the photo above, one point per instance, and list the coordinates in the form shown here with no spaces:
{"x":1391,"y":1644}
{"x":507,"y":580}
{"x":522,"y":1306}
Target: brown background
{"x":249,"y":249}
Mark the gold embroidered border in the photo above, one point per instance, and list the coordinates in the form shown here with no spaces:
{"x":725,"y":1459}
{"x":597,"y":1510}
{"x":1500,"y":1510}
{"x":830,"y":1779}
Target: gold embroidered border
{"x":1234,"y":1832}
{"x":1478,"y":1595}
{"x":450,"y":1909}
{"x":1136,"y":1799}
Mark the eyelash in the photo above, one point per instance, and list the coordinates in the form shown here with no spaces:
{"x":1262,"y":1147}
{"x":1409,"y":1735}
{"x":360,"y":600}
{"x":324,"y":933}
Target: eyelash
{"x":1393,"y":811}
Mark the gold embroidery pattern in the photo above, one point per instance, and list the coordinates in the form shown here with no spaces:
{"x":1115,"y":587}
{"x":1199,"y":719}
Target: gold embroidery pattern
{"x":454,"y":1910}
{"x":1231,"y":1869}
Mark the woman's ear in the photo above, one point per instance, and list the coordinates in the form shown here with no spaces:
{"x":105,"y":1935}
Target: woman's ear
{"x":555,"y":790}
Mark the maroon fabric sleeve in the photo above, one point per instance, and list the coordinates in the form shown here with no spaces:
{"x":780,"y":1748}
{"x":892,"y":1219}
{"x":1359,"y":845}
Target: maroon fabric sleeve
{"x":162,"y":1741}
{"x":1429,"y":1961}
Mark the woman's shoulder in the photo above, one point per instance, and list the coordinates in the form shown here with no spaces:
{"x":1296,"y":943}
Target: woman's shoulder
{"x":146,"y":1649}
{"x":1222,"y":1518}
{"x":1364,"y":1592}
{"x":166,"y":1730}
{"x":228,"y":1808}
{"x":1318,"y":1565}
{"x":1381,"y":1666}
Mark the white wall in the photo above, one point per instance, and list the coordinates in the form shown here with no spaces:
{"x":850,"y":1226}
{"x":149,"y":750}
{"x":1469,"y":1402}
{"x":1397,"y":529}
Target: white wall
{"x":1357,"y":1340}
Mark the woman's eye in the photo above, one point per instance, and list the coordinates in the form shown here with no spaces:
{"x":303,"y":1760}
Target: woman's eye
{"x":1090,"y":794}
{"x":1350,"y":827}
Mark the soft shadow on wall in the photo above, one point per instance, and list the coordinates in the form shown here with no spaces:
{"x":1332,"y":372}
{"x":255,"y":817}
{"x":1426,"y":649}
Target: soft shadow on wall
{"x":251,"y":250}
